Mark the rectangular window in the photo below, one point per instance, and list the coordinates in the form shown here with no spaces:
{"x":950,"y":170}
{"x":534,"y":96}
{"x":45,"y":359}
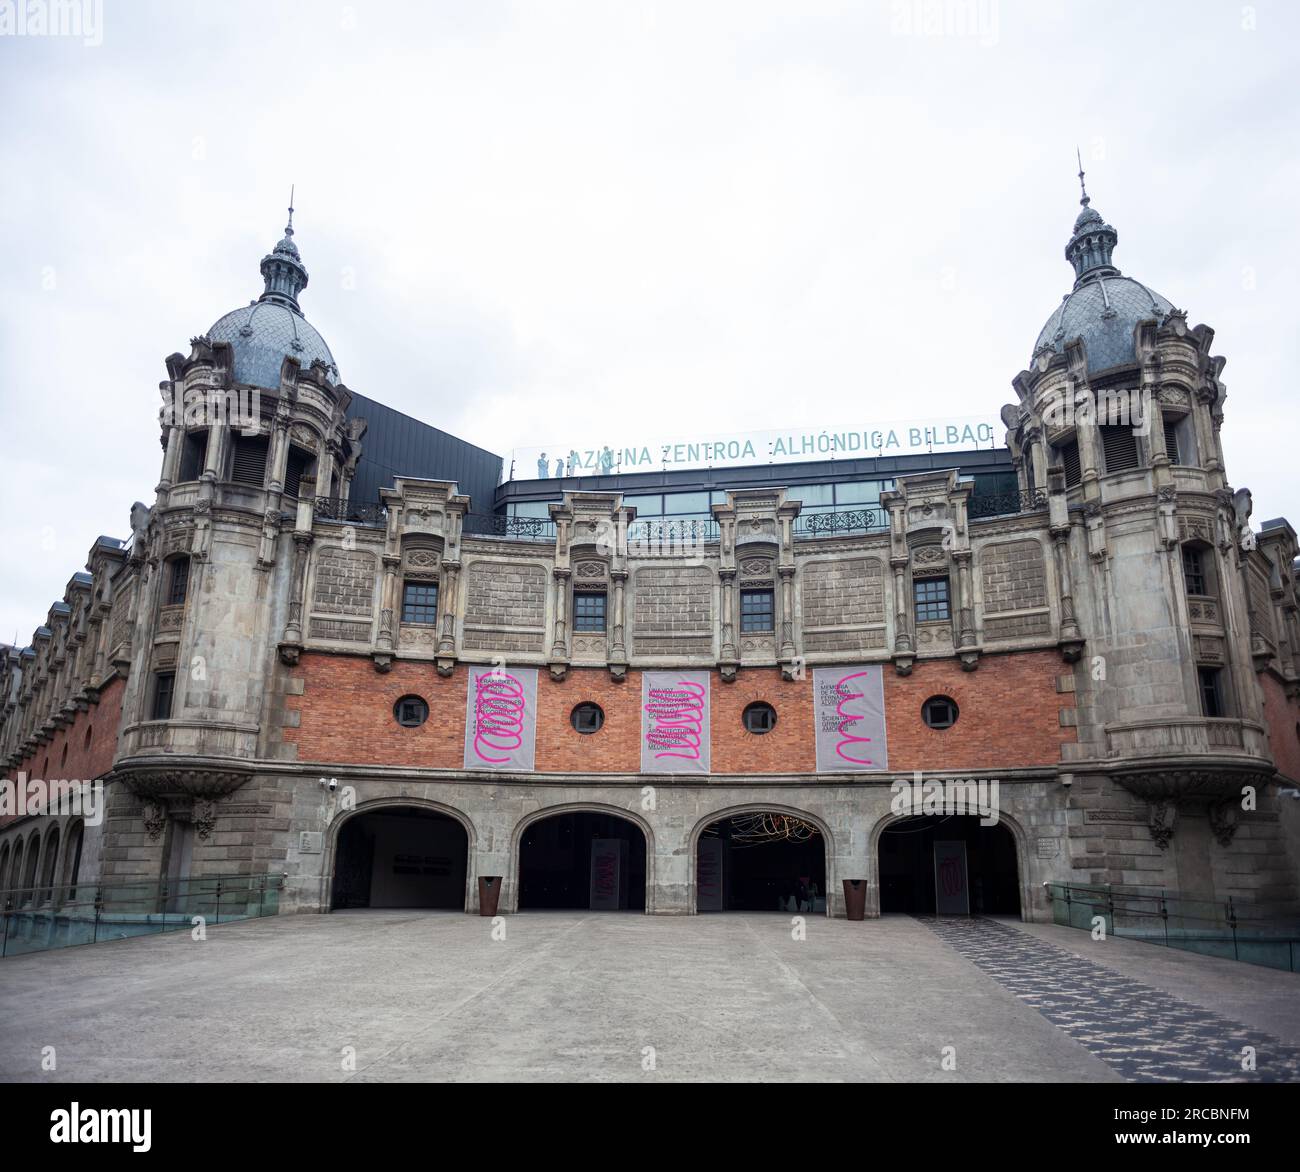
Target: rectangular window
{"x":164,"y":686}
{"x":1194,"y":571}
{"x":294,"y":470}
{"x":860,"y":492}
{"x":1171,"y":439}
{"x":1069,"y":453}
{"x":589,"y":610}
{"x":179,"y":585}
{"x":194,"y":454}
{"x":531,"y":509}
{"x":646,"y":506}
{"x":1211,"y":691}
{"x":811,"y":494}
{"x":931,"y":598}
{"x":757,"y":610}
{"x":695,"y":504}
{"x":1120,"y":447}
{"x":419,"y":602}
{"x":248,"y":464}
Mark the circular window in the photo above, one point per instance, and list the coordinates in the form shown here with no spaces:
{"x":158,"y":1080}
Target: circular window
{"x":759,"y":718}
{"x":939,"y":712}
{"x":411,"y":711}
{"x":588,"y":717}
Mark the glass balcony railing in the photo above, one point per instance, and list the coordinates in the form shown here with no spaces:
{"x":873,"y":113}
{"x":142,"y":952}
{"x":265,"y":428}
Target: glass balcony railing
{"x":37,"y":919}
{"x":1256,"y":933}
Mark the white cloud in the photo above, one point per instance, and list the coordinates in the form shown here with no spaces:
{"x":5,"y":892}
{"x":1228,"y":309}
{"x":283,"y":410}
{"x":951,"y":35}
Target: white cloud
{"x":571,"y":220}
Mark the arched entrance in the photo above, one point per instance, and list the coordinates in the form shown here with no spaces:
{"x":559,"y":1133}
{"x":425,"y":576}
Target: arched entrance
{"x":761,"y":861}
{"x":586,"y":860}
{"x":400,"y":857}
{"x":948,"y":864}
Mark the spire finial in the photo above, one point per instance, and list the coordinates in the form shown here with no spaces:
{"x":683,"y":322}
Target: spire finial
{"x":288,"y":231}
{"x":1085,"y":200}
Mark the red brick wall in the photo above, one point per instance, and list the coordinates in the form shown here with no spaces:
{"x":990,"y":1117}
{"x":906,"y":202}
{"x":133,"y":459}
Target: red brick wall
{"x":1009,"y":715}
{"x":85,"y":761}
{"x":1282,"y":716}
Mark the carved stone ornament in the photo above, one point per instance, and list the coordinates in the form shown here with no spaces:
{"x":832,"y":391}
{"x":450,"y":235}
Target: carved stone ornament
{"x":156,"y":784}
{"x":1223,"y":820}
{"x":205,"y":818}
{"x":155,"y":819}
{"x":1162,"y":819}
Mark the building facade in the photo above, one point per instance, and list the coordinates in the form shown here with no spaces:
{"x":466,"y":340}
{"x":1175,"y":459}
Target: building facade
{"x":383,"y":700}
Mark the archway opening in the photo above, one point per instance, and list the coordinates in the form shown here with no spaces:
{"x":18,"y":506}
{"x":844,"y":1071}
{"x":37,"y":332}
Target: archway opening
{"x":948,"y":865}
{"x":401,"y":857}
{"x":582,"y":860}
{"x":763,"y":861}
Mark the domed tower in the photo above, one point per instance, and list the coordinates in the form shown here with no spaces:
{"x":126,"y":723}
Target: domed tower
{"x":1118,"y":420}
{"x":255,"y":436}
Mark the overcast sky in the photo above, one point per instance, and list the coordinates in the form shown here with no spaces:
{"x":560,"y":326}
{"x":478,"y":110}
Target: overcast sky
{"x":558,"y":221}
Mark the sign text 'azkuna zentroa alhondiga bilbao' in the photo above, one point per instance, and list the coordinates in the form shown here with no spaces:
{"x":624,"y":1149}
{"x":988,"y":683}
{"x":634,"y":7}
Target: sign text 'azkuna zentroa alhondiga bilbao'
{"x":756,"y":447}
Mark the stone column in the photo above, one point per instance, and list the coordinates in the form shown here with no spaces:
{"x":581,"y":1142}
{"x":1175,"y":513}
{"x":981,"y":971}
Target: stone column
{"x":560,"y":645}
{"x":447,"y":601}
{"x":787,"y":612}
{"x":388,"y":601}
{"x":965,"y":601}
{"x":618,"y":651}
{"x":1070,"y":638}
{"x":171,"y":460}
{"x":727,"y":578}
{"x":902,"y":628}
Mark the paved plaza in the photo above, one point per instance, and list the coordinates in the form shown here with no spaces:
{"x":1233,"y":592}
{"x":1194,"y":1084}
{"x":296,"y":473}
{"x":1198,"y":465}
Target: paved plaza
{"x":412,"y":996}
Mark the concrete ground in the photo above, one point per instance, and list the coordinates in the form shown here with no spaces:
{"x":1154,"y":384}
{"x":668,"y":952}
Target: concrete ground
{"x":397,"y":996}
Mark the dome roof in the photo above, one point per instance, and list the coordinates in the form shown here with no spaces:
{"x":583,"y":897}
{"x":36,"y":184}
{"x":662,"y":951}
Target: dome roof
{"x":272,"y":328}
{"x":262,"y":335}
{"x":1103,"y":312}
{"x":1105,"y":306}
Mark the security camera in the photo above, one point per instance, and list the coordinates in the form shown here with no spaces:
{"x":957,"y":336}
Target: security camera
{"x":324,"y":782}
{"x":334,"y":783}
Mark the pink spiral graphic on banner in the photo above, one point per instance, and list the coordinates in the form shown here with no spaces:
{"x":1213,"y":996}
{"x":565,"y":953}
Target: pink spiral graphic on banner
{"x":847,"y":719}
{"x":678,"y":715}
{"x":498,"y":716}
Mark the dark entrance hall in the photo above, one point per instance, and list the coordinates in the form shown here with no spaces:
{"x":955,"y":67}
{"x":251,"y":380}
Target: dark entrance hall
{"x":582,"y":860}
{"x":986,"y":879}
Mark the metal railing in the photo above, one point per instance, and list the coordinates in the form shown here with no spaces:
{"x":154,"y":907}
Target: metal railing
{"x":520,"y":528}
{"x":1005,"y":504}
{"x":37,"y":919}
{"x":1256,"y":933}
{"x":334,"y":508}
{"x":656,"y":530}
{"x":841,"y":522}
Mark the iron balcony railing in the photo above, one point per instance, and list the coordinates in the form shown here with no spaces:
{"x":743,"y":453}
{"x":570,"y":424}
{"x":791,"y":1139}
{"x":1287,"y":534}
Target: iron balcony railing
{"x":521,"y":528}
{"x":658,"y":530}
{"x":334,"y":508}
{"x":34,"y":919}
{"x":1256,"y":933}
{"x":1005,"y":504}
{"x":841,"y":522}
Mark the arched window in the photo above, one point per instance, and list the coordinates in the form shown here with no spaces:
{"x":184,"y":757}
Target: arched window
{"x":33,"y":857}
{"x":72,"y":858}
{"x":178,"y":582}
{"x":48,"y":872}
{"x":14,"y":899}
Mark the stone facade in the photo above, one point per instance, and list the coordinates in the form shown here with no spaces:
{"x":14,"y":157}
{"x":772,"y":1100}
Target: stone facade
{"x":1121,"y":645}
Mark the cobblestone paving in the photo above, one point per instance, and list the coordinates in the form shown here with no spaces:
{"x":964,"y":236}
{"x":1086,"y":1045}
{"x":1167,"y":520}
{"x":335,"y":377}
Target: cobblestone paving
{"x":1143,"y":1033}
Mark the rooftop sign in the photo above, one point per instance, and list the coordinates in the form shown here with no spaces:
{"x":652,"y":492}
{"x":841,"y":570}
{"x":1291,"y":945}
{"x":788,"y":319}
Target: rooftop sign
{"x":634,"y":454}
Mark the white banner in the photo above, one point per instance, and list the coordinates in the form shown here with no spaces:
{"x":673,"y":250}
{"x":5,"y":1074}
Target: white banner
{"x":675,"y":722}
{"x":501,"y":718}
{"x":633,"y":454}
{"x":849,"y":716}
